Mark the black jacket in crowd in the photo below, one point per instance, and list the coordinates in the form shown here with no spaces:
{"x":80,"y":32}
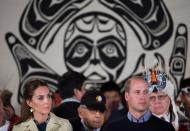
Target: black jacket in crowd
{"x":153,"y":124}
{"x":67,"y":110}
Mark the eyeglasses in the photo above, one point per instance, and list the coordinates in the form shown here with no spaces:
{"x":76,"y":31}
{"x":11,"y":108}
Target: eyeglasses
{"x":159,"y":97}
{"x":186,"y":90}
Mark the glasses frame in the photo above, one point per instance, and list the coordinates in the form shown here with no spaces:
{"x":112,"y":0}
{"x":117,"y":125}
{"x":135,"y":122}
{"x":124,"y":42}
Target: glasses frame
{"x":185,"y":90}
{"x":159,"y":97}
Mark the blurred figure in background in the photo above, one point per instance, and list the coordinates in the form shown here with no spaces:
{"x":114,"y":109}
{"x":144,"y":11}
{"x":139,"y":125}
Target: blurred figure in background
{"x":71,"y":88}
{"x":4,"y":124}
{"x":91,"y":112}
{"x":184,"y":117}
{"x":37,"y":107}
{"x":11,"y":116}
{"x":56,"y":98}
{"x":112,"y":94}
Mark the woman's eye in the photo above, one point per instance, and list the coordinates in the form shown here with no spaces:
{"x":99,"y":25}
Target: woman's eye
{"x":40,"y":98}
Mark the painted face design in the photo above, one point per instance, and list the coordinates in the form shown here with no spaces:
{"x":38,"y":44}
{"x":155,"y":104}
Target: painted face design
{"x":98,"y":50}
{"x":91,"y":37}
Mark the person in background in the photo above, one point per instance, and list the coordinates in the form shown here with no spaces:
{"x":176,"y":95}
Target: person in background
{"x":112,"y":94}
{"x":184,"y":117}
{"x":4,"y":124}
{"x":138,"y":118}
{"x":11,"y":116}
{"x":38,"y":103}
{"x":71,"y":88}
{"x":161,"y":95}
{"x":56,"y":98}
{"x":91,"y":112}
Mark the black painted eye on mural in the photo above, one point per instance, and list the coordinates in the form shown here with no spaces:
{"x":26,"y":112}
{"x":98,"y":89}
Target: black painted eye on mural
{"x":78,"y":51}
{"x":112,"y":51}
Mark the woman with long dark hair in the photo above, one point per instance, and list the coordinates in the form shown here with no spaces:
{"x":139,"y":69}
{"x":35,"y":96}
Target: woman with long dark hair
{"x":37,"y":104}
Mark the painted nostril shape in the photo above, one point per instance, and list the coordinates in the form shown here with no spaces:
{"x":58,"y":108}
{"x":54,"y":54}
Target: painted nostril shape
{"x":95,"y":61}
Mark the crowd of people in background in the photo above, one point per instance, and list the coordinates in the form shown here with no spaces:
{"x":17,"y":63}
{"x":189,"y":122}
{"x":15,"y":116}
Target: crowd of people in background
{"x":8,"y":117}
{"x":147,"y":103}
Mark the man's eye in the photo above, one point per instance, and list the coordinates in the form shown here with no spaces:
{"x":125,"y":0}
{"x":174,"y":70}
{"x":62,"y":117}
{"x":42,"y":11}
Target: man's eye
{"x":137,"y":92}
{"x":146,"y":92}
{"x":93,"y":111}
{"x":152,"y":98}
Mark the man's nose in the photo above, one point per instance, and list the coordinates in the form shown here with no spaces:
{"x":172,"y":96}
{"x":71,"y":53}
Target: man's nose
{"x":98,"y":113}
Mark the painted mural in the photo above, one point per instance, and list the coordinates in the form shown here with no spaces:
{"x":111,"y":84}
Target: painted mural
{"x":103,"y":39}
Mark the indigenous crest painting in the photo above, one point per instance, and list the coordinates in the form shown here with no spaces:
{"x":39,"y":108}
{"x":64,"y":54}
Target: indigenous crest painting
{"x":102,"y":39}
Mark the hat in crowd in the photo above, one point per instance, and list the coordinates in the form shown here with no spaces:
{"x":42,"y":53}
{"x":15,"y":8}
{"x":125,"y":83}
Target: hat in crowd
{"x":158,"y":81}
{"x":185,"y":85}
{"x":94,"y":100}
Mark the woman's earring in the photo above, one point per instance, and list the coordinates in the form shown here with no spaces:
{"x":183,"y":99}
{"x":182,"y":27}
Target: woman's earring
{"x":31,"y":110}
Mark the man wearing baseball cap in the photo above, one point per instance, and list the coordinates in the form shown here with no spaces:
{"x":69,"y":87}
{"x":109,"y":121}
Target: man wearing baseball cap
{"x":91,"y":112}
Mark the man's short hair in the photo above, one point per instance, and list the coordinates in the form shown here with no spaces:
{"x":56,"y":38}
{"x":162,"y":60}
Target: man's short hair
{"x":109,"y":86}
{"x":68,"y":82}
{"x":129,"y":81}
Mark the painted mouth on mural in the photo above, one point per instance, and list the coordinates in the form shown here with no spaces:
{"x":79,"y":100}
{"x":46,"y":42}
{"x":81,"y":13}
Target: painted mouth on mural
{"x":95,"y":76}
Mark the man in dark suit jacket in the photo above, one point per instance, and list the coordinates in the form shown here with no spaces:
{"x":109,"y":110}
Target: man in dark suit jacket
{"x":91,"y":112}
{"x":71,"y":88}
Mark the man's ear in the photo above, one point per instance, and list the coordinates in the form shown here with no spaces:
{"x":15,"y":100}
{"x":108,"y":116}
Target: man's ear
{"x":76,"y":92}
{"x":81,"y":112}
{"x":126,"y":95}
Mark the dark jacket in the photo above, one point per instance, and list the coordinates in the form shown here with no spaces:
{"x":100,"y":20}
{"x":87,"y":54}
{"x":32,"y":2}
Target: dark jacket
{"x":153,"y":124}
{"x":67,"y":110}
{"x":77,"y":124}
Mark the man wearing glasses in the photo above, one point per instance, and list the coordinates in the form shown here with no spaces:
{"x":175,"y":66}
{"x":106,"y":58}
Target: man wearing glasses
{"x":161,"y":96}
